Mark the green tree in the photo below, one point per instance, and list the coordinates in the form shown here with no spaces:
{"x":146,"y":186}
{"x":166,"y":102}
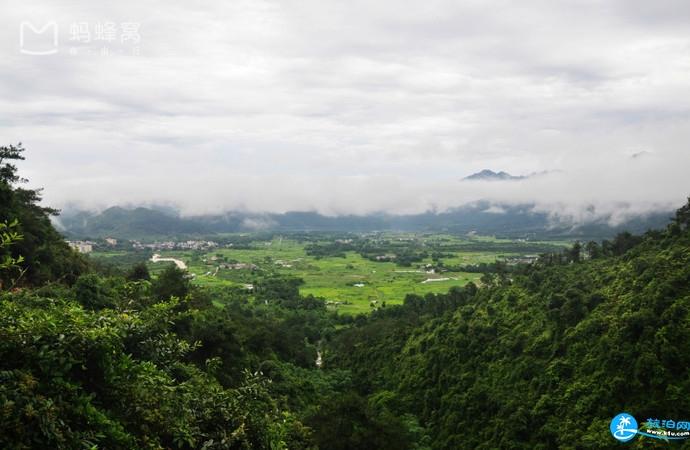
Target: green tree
{"x":575,"y":252}
{"x":172,"y":282}
{"x":8,"y":171}
{"x":92,"y":293}
{"x":278,"y":289}
{"x":593,"y":250}
{"x":139,"y":272}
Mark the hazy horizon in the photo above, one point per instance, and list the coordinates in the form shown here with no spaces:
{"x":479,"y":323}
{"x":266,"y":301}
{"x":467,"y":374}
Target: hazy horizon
{"x":351,"y":108}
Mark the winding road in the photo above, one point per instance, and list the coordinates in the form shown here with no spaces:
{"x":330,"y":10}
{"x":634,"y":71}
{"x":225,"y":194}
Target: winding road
{"x":180,"y":264}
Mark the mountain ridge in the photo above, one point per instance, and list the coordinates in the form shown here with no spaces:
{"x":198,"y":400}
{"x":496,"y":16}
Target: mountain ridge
{"x":490,"y":175}
{"x":482,"y":217}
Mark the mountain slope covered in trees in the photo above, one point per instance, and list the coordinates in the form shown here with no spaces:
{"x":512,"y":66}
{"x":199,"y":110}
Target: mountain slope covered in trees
{"x":544,"y":360}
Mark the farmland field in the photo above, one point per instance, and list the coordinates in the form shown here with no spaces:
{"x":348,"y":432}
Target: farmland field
{"x":348,"y":282}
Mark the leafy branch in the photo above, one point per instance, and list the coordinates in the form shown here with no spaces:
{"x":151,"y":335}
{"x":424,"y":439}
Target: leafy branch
{"x":9,"y":236}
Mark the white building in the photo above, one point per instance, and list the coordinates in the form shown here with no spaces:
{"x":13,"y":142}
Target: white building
{"x":81,"y":247}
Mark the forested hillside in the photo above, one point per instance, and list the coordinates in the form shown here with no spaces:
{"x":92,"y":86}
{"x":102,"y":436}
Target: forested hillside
{"x":46,"y":255}
{"x":542,"y":356}
{"x":544,"y":360}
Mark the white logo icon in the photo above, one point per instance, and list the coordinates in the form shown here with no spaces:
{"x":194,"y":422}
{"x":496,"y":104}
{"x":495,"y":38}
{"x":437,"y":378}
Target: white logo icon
{"x":48,"y":35}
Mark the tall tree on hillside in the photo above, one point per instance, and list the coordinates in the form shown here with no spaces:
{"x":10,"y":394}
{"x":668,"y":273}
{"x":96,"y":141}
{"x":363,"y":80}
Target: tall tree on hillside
{"x":8,"y":171}
{"x":683,"y":216}
{"x":47,"y":255}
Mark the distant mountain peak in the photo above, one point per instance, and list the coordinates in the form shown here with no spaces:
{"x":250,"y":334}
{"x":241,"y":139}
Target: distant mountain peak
{"x":490,"y":175}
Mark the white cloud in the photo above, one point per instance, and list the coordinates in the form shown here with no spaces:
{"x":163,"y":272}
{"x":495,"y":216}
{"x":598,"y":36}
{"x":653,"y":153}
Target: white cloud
{"x":356,"y":107}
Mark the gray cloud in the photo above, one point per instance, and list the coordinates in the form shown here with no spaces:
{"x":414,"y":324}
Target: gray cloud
{"x":356,"y":107}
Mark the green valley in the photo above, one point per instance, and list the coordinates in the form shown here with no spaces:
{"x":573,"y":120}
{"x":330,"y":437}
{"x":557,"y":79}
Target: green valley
{"x":349,"y":282}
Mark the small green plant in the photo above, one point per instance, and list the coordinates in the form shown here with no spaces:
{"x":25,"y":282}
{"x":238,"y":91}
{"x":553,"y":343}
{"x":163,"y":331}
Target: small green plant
{"x":9,"y":236}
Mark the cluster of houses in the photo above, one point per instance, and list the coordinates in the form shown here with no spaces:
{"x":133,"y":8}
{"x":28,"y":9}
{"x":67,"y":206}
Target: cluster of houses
{"x":172,"y":245}
{"x":238,"y":266}
{"x":82,"y":246}
{"x":286,"y":264}
{"x":88,"y":246}
{"x":525,"y":259}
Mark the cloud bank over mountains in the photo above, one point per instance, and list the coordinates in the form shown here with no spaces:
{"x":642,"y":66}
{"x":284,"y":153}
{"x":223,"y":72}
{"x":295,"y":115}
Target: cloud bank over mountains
{"x":354,"y":108}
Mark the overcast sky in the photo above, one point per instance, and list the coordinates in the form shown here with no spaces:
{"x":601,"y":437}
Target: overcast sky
{"x":350,"y":106}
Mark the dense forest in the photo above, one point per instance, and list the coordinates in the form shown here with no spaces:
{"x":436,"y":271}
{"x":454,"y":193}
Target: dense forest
{"x":542,"y":356}
{"x":542,"y":360}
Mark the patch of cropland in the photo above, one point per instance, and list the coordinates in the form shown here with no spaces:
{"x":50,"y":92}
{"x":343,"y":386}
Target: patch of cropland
{"x":353,"y":273}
